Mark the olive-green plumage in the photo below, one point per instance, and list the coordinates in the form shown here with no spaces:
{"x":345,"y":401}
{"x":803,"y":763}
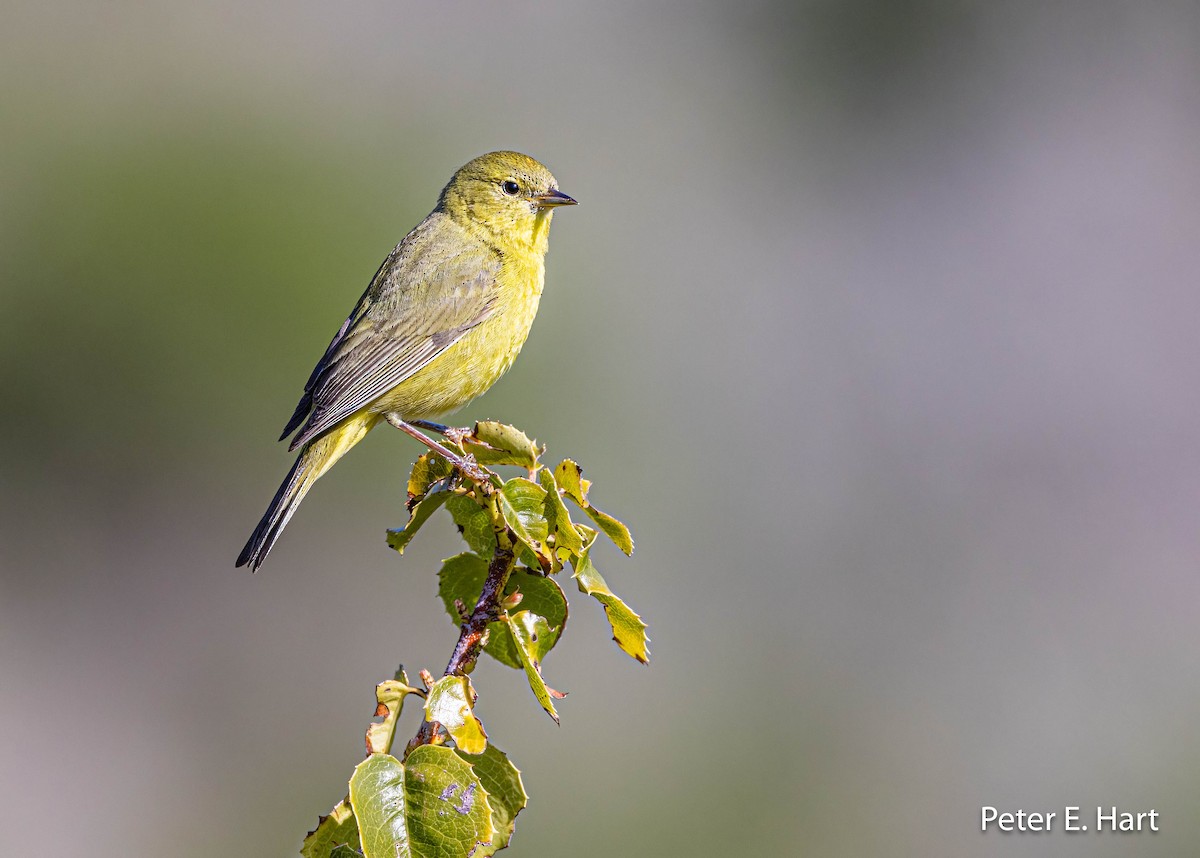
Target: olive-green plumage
{"x":443,"y":319}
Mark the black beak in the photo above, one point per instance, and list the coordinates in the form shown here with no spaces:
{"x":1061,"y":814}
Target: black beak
{"x":553,"y":197}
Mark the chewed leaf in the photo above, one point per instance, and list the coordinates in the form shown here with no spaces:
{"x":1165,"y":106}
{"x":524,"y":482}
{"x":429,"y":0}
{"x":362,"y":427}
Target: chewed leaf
{"x":451,"y":703}
{"x":431,"y":806}
{"x":628,"y":629}
{"x":339,"y":827}
{"x":389,"y":697}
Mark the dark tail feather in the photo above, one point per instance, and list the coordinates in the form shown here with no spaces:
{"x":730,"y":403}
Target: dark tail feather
{"x":290,"y":493}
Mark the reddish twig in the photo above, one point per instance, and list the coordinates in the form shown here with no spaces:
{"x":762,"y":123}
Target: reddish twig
{"x":474,"y":628}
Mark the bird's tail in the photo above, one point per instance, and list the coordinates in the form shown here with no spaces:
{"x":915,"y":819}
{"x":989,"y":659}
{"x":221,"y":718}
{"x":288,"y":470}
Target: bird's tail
{"x":315,"y":458}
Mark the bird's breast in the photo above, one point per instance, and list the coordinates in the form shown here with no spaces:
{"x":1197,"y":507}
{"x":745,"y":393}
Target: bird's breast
{"x":476,"y":361}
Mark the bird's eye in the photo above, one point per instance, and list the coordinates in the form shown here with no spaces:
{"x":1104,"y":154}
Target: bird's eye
{"x":511,"y":188}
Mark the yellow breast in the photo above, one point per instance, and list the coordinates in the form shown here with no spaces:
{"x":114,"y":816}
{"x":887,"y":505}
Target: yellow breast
{"x":474,"y":363}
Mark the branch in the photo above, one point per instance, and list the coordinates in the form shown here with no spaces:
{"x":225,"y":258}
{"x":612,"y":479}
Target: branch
{"x":487,"y":610}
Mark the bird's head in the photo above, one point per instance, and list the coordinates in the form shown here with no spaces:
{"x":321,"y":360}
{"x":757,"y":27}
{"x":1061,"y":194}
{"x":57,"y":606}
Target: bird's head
{"x":508,"y":196}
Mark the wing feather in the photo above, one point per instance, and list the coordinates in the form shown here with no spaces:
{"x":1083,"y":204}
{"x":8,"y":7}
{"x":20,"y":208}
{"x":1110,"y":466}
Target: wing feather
{"x":393,"y":332}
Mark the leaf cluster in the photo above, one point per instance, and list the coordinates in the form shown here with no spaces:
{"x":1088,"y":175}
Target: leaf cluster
{"x":453,"y":792}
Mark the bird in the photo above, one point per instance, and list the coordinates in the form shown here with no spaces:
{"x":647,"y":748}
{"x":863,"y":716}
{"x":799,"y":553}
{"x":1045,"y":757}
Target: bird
{"x":442,"y":319}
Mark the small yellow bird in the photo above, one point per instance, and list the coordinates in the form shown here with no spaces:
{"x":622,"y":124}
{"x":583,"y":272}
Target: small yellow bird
{"x":443,"y":319}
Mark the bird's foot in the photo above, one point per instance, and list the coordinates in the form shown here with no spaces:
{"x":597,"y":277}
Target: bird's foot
{"x":471,"y":469}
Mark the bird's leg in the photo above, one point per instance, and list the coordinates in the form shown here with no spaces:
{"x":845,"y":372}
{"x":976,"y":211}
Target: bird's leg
{"x":440,"y":428}
{"x":455,"y":433}
{"x":465,"y":463}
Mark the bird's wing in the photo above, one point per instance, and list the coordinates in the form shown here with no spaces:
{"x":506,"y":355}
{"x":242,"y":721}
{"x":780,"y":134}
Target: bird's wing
{"x":393,"y":333}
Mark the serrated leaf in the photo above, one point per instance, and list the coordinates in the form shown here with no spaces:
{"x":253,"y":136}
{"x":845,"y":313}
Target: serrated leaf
{"x":429,"y":468}
{"x":569,"y":477}
{"x":431,"y":806}
{"x":461,"y":577}
{"x":336,"y":828}
{"x":389,"y":699}
{"x":531,"y":633}
{"x":475,"y":524}
{"x":566,"y":537}
{"x":506,"y":794}
{"x":628,"y":629}
{"x":451,"y":703}
{"x":523,"y":506}
{"x":613,"y":529}
{"x":493,"y":443}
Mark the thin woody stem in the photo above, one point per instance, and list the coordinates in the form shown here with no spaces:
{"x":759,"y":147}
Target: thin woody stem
{"x":487,"y":610}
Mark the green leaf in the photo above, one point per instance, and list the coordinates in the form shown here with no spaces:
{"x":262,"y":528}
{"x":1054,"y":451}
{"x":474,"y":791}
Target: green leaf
{"x":523,"y":506}
{"x":451,"y":703}
{"x":461,"y":577}
{"x":475,"y":524}
{"x":613,"y":529}
{"x":345,"y":851}
{"x":493,"y":443}
{"x":338,"y":827}
{"x":427,"y":471}
{"x":588,"y":535}
{"x":418,"y":514}
{"x":431,"y":806}
{"x":533,"y":637}
{"x":569,"y":477}
{"x":429,"y":468}
{"x":506,"y":794}
{"x":389,"y":699}
{"x":566,"y":537}
{"x":628,"y":629}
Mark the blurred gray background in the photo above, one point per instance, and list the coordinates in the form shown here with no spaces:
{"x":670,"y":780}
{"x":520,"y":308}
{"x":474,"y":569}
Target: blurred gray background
{"x":877,"y":323}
